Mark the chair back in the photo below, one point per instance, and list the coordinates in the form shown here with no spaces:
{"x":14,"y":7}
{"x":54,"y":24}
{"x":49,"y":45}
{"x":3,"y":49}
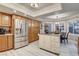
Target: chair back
{"x":67,"y":34}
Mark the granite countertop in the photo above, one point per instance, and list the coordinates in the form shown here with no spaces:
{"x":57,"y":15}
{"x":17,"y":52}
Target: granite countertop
{"x":49,"y":34}
{"x":5,"y":34}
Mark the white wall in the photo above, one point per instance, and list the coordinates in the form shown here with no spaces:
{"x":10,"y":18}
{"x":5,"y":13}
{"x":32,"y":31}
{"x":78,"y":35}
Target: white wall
{"x":66,"y":27}
{"x":52,"y":27}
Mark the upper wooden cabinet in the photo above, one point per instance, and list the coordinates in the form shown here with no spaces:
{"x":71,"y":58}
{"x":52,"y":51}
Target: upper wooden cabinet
{"x":5,"y":20}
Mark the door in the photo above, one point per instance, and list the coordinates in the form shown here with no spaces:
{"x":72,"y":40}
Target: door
{"x":23,"y":27}
{"x":30,"y":31}
{"x":17,"y":28}
{"x":35,"y":30}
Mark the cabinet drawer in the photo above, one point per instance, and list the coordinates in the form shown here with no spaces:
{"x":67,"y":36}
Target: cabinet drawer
{"x":18,"y":39}
{"x":24,"y":43}
{"x":24,"y":38}
{"x":17,"y":45}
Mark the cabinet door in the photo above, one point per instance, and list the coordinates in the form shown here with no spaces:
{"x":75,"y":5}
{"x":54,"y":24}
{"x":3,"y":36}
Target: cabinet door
{"x":0,"y":44}
{"x":5,"y":20}
{"x":41,"y":41}
{"x":3,"y":43}
{"x":10,"y":42}
{"x":45,"y":42}
{"x":34,"y":29}
{"x":0,"y":20}
{"x":55,"y":44}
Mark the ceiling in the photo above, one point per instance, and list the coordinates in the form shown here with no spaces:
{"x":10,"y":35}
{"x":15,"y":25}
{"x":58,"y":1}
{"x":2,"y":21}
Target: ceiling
{"x":45,"y":11}
{"x":41,"y":6}
{"x":68,"y":9}
{"x":10,"y":11}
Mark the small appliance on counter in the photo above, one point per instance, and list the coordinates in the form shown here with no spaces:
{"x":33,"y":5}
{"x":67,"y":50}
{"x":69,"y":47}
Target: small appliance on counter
{"x":2,"y":31}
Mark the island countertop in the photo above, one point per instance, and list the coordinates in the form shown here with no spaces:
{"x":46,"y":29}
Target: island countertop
{"x":50,"y":34}
{"x":5,"y":34}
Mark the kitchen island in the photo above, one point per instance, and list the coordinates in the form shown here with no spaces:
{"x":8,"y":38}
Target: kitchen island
{"x":50,"y":42}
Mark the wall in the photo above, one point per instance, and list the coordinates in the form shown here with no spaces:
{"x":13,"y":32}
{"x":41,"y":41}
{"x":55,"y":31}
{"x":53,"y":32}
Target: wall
{"x":66,"y":25}
{"x":52,"y":27}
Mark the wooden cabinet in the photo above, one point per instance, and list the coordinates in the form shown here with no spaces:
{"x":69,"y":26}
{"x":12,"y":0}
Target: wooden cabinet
{"x":3,"y":43}
{"x":34,"y":29}
{"x":6,"y":42}
{"x":9,"y":42}
{"x":0,"y":43}
{"x":5,"y":20}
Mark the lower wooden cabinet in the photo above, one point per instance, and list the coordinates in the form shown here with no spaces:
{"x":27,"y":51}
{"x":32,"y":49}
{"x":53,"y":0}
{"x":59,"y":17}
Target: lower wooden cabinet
{"x":9,"y":42}
{"x":0,"y":44}
{"x":6,"y":42}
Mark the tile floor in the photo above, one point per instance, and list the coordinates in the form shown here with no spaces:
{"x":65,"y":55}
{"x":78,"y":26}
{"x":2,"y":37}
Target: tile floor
{"x":33,"y":50}
{"x":69,"y":49}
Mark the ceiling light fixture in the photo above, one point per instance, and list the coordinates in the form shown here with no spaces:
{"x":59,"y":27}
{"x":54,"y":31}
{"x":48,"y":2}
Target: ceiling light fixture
{"x":34,"y":5}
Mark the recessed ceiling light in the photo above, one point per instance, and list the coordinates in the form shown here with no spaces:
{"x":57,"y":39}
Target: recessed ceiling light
{"x":34,"y":5}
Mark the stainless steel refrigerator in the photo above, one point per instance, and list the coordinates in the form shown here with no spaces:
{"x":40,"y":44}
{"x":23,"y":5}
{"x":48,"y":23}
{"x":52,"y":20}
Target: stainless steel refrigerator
{"x":20,"y":33}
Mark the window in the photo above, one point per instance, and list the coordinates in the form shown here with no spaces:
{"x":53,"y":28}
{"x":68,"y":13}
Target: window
{"x":71,"y":27}
{"x":74,"y":27}
{"x":61,"y":27}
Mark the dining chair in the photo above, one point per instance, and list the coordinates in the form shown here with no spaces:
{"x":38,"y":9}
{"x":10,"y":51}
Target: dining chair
{"x":64,"y":37}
